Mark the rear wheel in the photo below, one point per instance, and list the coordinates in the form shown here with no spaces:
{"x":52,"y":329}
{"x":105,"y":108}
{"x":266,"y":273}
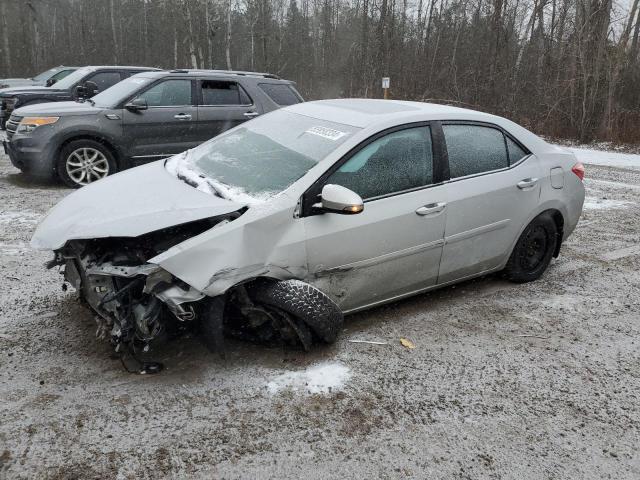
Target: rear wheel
{"x":532,"y":254}
{"x":82,"y":162}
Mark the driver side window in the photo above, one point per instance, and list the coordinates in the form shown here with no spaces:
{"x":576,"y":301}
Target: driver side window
{"x":170,"y":93}
{"x":398,"y":161}
{"x":105,"y":80}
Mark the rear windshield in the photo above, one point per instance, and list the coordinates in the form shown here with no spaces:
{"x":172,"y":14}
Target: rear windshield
{"x":281,"y":93}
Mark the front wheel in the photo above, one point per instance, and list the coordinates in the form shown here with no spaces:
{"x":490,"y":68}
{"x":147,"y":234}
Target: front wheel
{"x":82,"y":162}
{"x":296,"y":312}
{"x":533,"y":251}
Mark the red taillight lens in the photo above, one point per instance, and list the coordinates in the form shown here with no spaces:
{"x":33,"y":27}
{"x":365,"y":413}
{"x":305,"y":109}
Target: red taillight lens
{"x":578,"y":169}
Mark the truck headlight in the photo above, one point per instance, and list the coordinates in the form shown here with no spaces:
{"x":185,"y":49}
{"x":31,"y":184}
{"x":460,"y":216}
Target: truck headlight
{"x":29,"y":124}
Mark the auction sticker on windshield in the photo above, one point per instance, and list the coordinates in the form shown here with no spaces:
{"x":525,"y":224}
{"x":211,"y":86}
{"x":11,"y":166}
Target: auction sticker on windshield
{"x":326,"y":132}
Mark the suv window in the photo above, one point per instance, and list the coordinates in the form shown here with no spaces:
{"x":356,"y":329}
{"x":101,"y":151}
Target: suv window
{"x":105,"y":80}
{"x":398,"y":161}
{"x":218,"y":92}
{"x":474,"y":149}
{"x":280,"y":93}
{"x":170,"y":93}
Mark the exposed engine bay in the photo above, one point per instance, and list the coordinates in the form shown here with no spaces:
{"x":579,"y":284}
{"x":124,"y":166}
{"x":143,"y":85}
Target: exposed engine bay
{"x":135,"y":301}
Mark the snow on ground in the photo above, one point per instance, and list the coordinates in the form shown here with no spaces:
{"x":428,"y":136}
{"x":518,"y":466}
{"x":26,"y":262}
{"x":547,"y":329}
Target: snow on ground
{"x":593,"y":203}
{"x":326,"y":377}
{"x":14,"y":217}
{"x":609,"y":159}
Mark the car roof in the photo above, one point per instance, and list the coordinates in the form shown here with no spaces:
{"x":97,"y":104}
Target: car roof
{"x":364,"y":112}
{"x":373,"y":114}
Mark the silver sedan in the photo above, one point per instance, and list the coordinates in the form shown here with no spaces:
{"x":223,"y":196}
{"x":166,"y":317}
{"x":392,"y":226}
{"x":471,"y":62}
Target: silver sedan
{"x":278,"y":227}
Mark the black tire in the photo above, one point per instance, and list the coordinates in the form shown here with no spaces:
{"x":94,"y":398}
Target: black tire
{"x":69,"y":153}
{"x":533,"y":251}
{"x":303,"y":302}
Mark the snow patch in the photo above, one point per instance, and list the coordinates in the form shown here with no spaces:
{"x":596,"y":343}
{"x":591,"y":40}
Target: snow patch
{"x":593,"y":203}
{"x":321,"y":378}
{"x":610,"y":159}
{"x":13,"y":248}
{"x":9,"y":217}
{"x":182,"y":166}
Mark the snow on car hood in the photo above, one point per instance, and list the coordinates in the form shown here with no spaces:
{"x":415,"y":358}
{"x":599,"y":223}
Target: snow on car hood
{"x":128,"y":204}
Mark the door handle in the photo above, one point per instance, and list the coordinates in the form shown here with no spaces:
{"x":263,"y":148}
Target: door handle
{"x":182,"y":116}
{"x":527,"y":183}
{"x":251,"y":114}
{"x":431,"y":208}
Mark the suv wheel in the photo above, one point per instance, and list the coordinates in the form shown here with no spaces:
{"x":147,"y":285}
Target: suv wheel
{"x":82,"y":162}
{"x":533,"y":252}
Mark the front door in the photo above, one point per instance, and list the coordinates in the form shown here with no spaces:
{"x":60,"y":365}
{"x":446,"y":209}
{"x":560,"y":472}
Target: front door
{"x":394,"y":246}
{"x":223,"y":105}
{"x":167,"y":126}
{"x":494,"y":186}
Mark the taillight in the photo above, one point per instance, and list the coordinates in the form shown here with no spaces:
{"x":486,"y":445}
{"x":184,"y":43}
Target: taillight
{"x":578,"y":169}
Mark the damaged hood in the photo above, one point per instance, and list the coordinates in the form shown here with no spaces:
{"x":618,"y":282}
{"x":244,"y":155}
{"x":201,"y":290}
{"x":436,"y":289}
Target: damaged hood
{"x":128,"y":204}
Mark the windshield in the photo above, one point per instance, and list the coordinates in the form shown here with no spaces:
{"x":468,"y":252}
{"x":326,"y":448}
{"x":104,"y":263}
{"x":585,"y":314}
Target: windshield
{"x":73,"y":78}
{"x":44,"y":76}
{"x":112,"y":96}
{"x":264,"y":156}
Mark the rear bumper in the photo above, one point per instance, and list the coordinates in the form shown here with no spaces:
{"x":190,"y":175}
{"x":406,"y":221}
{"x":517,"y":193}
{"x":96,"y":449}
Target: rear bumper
{"x":30,"y":157}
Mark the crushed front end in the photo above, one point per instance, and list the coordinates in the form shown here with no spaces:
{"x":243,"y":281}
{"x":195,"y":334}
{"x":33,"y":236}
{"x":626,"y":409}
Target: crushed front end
{"x":135,"y":301}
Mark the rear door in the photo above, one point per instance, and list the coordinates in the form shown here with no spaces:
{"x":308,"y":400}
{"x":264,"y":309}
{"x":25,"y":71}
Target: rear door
{"x":169,"y":124}
{"x":223,"y":104}
{"x":394,"y":246}
{"x":493,"y":188}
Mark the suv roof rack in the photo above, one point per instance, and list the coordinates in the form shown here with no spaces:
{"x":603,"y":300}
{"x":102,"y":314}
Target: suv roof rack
{"x":228,"y":72}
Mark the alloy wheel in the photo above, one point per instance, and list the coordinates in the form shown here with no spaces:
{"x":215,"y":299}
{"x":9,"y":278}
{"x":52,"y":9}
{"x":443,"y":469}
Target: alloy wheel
{"x":86,"y":165}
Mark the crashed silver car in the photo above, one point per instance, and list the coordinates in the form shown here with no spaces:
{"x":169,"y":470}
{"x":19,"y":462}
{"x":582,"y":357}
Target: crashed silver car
{"x":278,"y":227}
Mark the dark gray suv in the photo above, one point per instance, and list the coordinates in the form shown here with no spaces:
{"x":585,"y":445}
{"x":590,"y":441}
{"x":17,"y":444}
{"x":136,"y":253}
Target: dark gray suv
{"x":146,"y":117}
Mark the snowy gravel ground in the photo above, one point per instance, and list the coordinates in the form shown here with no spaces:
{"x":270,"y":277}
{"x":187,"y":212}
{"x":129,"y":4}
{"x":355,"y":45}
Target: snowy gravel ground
{"x":536,"y":381}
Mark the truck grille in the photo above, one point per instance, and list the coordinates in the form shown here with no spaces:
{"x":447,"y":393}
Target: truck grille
{"x":12,"y":125}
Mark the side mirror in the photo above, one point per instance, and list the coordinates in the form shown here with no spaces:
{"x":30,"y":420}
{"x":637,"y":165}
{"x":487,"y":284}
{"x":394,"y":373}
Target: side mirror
{"x":136,"y":105}
{"x":338,"y":199}
{"x":91,"y":89}
{"x":80,"y":92}
{"x":51,"y":81}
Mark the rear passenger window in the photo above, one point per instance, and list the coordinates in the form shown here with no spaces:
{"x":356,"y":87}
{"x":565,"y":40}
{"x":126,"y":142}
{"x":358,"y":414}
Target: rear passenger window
{"x":170,"y":93}
{"x":516,"y":153}
{"x":105,"y":80}
{"x":215,"y":92}
{"x":398,"y":161}
{"x":280,"y":93}
{"x":474,"y":149}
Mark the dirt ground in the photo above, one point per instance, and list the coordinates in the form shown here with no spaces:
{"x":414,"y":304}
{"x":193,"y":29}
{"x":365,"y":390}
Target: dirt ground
{"x":536,"y":381}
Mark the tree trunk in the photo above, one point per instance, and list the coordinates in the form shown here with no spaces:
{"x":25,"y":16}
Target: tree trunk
{"x":228,"y":37}
{"x":5,"y":38}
